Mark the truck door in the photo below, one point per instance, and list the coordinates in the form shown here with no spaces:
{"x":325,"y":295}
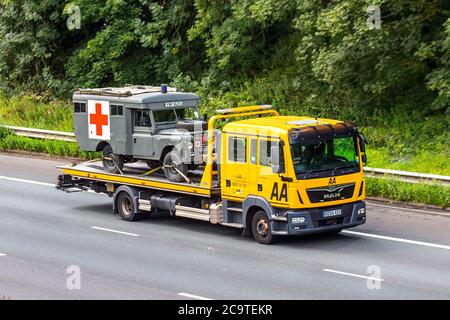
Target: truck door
{"x":236,"y":168}
{"x":270,"y":185}
{"x":142,"y":134}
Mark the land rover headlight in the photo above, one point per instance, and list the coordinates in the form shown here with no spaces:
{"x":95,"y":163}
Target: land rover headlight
{"x":189,"y":145}
{"x":298,"y":220}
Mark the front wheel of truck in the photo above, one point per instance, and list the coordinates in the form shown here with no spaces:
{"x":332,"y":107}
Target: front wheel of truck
{"x":261,"y":228}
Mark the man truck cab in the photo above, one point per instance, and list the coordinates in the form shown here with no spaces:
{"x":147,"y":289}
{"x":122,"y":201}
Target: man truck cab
{"x":303,"y":171}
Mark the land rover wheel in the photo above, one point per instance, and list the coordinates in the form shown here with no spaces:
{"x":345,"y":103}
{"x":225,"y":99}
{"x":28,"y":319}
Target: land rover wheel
{"x":261,"y":228}
{"x":112,"y":163}
{"x":125,"y":206}
{"x":174,"y":168}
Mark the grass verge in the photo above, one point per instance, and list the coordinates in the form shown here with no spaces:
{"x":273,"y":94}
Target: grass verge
{"x":420,"y":193}
{"x":10,"y":141}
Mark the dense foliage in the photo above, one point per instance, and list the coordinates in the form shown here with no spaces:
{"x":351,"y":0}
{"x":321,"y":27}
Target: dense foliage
{"x":291,"y":52}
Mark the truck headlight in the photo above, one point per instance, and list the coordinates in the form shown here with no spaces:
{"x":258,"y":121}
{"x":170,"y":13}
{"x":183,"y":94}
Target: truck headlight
{"x":298,"y":220}
{"x":361,"y":211}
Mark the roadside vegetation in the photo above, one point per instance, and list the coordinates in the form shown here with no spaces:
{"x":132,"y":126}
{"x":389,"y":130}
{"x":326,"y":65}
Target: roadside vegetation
{"x":9,"y":141}
{"x":420,"y":193}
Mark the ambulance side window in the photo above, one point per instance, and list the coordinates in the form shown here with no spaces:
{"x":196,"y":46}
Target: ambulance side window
{"x":142,"y":118}
{"x":79,"y":107}
{"x":116,"y":110}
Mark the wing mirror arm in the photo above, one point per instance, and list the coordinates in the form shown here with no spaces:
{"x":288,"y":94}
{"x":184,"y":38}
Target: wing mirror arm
{"x":362,"y":146}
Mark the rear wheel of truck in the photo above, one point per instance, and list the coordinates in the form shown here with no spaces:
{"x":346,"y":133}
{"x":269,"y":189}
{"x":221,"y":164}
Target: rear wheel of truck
{"x":125,"y":206}
{"x":112,"y":163}
{"x":173,"y":166}
{"x":261,"y":228}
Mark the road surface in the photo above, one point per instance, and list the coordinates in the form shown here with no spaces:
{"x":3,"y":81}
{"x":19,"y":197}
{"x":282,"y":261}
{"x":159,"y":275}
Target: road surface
{"x":55,"y":245}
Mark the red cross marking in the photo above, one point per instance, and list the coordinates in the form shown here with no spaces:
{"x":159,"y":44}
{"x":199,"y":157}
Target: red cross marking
{"x":98,"y":119}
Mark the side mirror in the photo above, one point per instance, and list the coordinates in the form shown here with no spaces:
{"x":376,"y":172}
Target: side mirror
{"x":362,"y":146}
{"x":364,"y":159}
{"x":362,"y":142}
{"x":275,"y":160}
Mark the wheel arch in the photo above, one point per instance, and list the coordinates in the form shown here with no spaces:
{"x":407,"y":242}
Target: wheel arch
{"x":251,"y":205}
{"x":101,"y":145}
{"x":165,"y":151}
{"x":132,"y":192}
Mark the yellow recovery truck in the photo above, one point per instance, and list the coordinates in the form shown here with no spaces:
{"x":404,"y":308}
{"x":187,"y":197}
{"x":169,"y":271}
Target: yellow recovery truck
{"x":267,"y":174}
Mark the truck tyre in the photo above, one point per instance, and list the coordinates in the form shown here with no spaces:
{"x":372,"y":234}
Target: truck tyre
{"x":191,"y":125}
{"x":172,"y":159}
{"x":125,"y":206}
{"x":261,"y":228}
{"x":112,"y":163}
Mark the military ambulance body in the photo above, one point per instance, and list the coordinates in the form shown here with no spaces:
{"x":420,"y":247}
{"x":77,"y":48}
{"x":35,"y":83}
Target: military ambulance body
{"x":140,"y":123}
{"x":268,"y":175}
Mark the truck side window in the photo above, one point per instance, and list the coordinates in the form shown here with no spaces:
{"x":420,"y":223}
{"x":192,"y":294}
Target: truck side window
{"x":265,"y":154}
{"x":142,"y":119}
{"x":237,"y":151}
{"x":253,"y":151}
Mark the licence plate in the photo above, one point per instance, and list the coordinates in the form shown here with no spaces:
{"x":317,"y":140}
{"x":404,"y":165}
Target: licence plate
{"x":331,"y":213}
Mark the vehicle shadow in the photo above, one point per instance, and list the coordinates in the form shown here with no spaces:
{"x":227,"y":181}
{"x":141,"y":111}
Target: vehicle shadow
{"x":101,"y":209}
{"x":202,"y":227}
{"x":164,"y":220}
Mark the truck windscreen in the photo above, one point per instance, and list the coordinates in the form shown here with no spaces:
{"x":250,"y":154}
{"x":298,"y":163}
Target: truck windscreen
{"x":339,"y":155}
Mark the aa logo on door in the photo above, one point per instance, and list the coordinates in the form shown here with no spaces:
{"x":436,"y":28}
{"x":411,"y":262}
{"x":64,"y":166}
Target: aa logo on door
{"x":277,"y":194}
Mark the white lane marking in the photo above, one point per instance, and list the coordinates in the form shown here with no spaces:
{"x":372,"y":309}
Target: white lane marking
{"x":369,"y":204}
{"x":40,"y":183}
{"x":28,"y":181}
{"x":2,"y":254}
{"x":352,"y":275}
{"x":376,"y":236}
{"x":115,"y":231}
{"x":188,"y":295}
